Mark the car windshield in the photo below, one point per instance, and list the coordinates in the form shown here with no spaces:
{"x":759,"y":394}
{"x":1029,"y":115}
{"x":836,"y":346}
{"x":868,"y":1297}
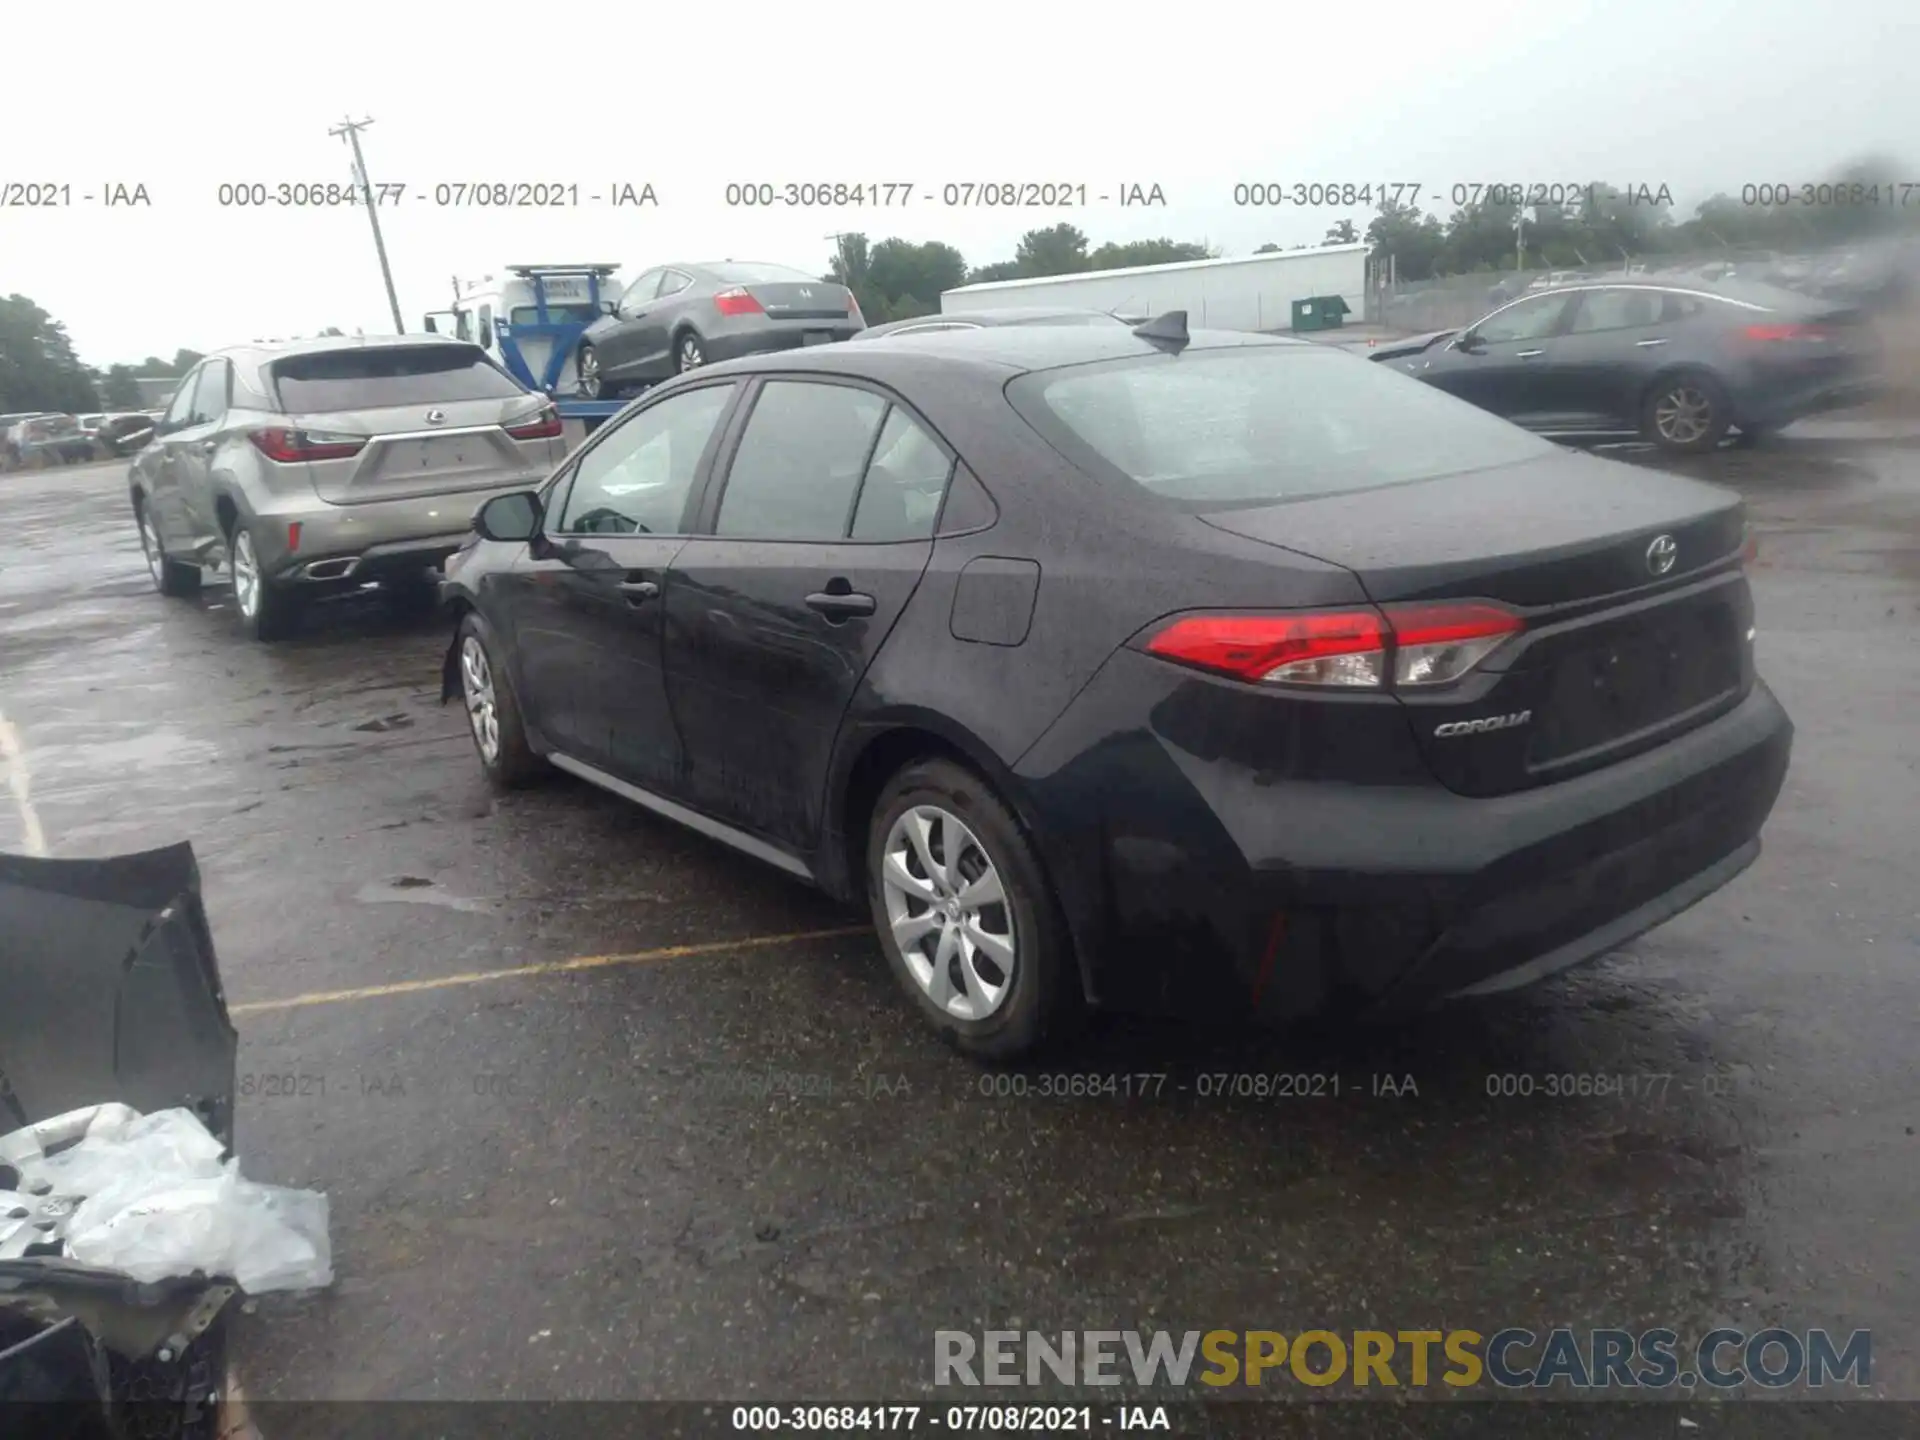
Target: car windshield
{"x":365,"y":379}
{"x":1257,"y":425}
{"x":750,"y":274}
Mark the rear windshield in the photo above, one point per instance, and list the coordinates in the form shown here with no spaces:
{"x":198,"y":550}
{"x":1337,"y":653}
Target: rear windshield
{"x":743,"y":274}
{"x":1259,"y":425}
{"x":399,"y":375}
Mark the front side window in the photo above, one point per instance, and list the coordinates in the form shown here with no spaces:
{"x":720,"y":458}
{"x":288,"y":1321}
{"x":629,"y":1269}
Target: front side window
{"x":1259,"y":424}
{"x":1525,"y":320}
{"x":799,"y":462}
{"x":637,"y":479}
{"x":181,"y":406}
{"x":210,"y":393}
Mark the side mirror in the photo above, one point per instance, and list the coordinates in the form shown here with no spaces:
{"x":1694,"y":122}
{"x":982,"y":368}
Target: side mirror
{"x":509,"y":518}
{"x":432,"y":328}
{"x":609,"y":307}
{"x":1466,"y":342}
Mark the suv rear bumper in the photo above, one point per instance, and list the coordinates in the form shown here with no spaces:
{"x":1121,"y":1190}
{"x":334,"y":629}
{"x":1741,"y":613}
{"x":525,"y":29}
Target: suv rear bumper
{"x":354,"y":543}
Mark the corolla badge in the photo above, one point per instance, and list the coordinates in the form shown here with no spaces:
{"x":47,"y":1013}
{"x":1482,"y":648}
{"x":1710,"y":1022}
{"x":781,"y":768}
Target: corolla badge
{"x":1661,"y":554}
{"x":435,"y":417}
{"x":1480,"y":727}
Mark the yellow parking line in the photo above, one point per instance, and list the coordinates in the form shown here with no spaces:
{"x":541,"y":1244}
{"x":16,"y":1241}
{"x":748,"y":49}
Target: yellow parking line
{"x":547,"y":967}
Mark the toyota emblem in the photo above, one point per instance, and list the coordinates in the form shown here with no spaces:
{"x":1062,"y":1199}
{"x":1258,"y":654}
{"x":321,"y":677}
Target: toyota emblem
{"x":1661,"y":554}
{"x":434,"y":417}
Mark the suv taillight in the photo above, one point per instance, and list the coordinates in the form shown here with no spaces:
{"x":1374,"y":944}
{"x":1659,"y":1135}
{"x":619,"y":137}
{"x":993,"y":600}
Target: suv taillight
{"x":1413,"y":645}
{"x":544,"y":426}
{"x":290,"y":447}
{"x":737,"y":301}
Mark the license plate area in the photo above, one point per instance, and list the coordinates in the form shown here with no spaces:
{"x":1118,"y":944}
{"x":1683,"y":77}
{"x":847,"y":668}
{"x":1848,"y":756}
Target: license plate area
{"x":816,"y":337}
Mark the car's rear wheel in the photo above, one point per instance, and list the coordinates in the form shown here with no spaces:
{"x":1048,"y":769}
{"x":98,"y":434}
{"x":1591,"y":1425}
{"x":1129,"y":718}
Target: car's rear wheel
{"x":493,"y":712}
{"x":267,"y":611}
{"x":1686,"y":413}
{"x":594,"y":383}
{"x":964,"y":913}
{"x":172,"y":578}
{"x":688,"y":352}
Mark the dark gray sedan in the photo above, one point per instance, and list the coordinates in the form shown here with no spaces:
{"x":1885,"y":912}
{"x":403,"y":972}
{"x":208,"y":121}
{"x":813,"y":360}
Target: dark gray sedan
{"x":679,"y":317}
{"x":1675,"y":363}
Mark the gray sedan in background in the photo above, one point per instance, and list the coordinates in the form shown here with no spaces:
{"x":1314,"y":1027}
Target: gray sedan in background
{"x":678,"y":317}
{"x":318,"y":466}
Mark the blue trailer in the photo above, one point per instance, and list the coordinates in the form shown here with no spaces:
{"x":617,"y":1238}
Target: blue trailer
{"x":531,"y":320}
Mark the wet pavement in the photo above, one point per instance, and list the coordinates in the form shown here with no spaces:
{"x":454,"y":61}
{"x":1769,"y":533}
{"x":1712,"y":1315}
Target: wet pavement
{"x":718,"y":1156}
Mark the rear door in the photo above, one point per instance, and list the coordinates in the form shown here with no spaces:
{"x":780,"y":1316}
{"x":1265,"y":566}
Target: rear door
{"x":394,"y":422}
{"x":820,"y":530}
{"x":588,"y":605}
{"x":1614,"y":341}
{"x":1505,"y":369}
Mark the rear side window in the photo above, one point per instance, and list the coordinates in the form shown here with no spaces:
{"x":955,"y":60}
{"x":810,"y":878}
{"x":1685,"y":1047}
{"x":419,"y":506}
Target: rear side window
{"x":799,"y":463}
{"x":905,"y":482}
{"x":1262,"y":424}
{"x":394,"y":375}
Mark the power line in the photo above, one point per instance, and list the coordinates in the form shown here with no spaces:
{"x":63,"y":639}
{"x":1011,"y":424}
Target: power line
{"x":351,"y":130}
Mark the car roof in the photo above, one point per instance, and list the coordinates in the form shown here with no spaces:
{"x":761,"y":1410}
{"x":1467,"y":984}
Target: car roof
{"x":1009,"y":315}
{"x":1008,"y":349}
{"x":1763,"y":297}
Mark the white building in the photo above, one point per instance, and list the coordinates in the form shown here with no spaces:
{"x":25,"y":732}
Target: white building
{"x":1250,"y":292}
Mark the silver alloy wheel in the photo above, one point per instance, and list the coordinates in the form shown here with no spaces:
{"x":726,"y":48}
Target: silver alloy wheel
{"x":246,"y":574}
{"x":1683,"y":416}
{"x":590,"y":381}
{"x":690,"y":356}
{"x":476,"y":687}
{"x":949,"y":912}
{"x":150,"y":546}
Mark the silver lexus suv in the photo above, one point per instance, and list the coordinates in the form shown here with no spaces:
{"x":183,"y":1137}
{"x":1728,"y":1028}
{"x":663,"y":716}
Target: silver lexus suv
{"x":317,"y":466}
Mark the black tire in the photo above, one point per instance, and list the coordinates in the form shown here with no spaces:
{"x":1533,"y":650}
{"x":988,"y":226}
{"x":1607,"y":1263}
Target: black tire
{"x":1700,"y":415}
{"x":1042,"y":1000}
{"x":268,"y":611}
{"x":689,"y":351}
{"x":176,"y":579}
{"x":513,"y":765}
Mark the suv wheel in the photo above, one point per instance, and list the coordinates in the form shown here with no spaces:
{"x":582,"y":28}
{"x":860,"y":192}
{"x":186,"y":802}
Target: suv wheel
{"x":964,"y":913}
{"x":493,"y":711}
{"x":267,"y":611}
{"x":172,"y":578}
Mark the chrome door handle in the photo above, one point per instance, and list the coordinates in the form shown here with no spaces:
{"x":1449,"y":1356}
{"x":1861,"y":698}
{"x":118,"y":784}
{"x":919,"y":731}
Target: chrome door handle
{"x":1644,"y":344}
{"x":638,"y":592}
{"x":1528,"y":354}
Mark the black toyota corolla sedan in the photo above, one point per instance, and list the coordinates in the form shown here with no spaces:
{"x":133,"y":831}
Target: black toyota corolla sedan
{"x":1133,"y":668}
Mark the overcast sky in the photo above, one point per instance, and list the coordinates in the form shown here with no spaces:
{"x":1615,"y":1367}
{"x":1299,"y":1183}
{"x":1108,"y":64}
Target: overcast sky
{"x":1697,"y":96}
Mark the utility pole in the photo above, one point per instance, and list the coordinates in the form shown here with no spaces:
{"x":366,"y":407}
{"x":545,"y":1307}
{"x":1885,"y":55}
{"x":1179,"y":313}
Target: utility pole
{"x":351,"y":130}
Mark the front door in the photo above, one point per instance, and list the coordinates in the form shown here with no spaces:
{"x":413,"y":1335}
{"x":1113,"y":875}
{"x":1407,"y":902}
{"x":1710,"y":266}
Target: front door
{"x":624,"y":345}
{"x":1503,"y":369}
{"x":820,"y":532}
{"x":599,"y":571}
{"x":155,"y":467}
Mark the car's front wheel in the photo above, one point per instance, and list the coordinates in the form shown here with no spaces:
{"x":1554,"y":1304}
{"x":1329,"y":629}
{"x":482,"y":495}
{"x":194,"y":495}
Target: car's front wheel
{"x":493,"y":711}
{"x":1686,"y":413}
{"x":173,"y":578}
{"x":267,"y":611}
{"x":964,"y":913}
{"x":594,"y":383}
{"x":688,"y":353}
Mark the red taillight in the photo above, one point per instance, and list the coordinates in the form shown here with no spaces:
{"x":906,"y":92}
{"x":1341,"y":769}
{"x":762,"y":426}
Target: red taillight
{"x":1785,"y":332}
{"x":737,"y":301}
{"x":293,"y":536}
{"x":853,"y":309}
{"x":1749,"y":546}
{"x":1417,"y":645}
{"x":290,"y":447}
{"x":545,"y":427}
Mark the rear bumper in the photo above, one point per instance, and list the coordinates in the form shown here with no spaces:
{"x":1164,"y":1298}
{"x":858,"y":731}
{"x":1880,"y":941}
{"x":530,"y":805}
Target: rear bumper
{"x":765,"y":339}
{"x":374,"y":540}
{"x":1217,"y":890}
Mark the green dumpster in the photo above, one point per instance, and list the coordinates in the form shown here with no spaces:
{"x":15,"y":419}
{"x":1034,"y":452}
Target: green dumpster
{"x":1320,"y":312}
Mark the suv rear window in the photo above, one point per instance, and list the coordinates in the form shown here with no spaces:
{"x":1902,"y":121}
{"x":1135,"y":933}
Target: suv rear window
{"x":389,"y":375}
{"x":1257,"y":425}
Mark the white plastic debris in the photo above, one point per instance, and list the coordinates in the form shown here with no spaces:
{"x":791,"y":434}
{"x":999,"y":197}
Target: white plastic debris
{"x":151,"y":1198}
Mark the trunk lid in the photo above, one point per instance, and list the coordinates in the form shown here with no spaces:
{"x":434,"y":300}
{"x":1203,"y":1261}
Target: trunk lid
{"x":1618,"y":655}
{"x":820,"y":300}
